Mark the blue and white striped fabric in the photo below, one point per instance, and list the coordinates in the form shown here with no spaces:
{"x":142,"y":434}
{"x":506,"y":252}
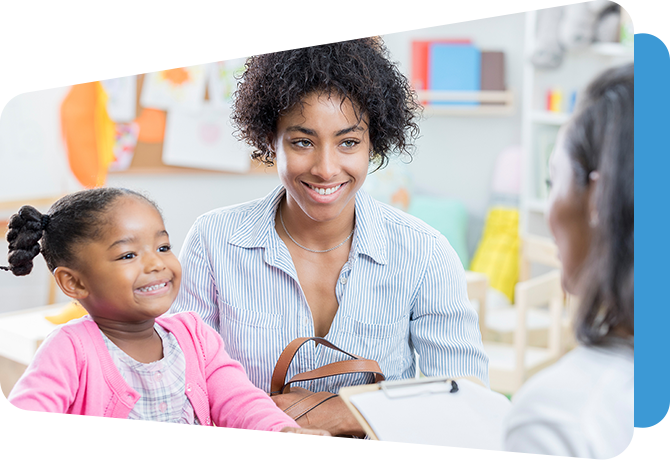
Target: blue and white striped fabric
{"x":402,"y":288}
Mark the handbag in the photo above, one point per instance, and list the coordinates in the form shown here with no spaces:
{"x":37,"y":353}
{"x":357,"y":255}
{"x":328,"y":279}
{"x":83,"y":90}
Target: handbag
{"x":309,"y":399}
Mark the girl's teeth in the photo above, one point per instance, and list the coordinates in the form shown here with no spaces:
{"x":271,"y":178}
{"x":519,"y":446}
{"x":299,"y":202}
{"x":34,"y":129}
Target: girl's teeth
{"x":325,"y":191}
{"x":153,"y":288}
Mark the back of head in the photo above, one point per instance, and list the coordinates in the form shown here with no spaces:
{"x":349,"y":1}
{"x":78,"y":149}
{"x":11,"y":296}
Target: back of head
{"x":358,"y":70}
{"x":600,"y":138}
{"x":73,"y":219}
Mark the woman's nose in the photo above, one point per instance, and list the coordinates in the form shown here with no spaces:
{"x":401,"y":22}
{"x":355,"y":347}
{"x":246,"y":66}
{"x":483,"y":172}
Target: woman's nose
{"x":326,"y":164}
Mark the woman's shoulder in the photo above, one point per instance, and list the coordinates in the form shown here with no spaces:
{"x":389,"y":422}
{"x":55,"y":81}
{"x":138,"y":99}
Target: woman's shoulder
{"x":394,"y":218}
{"x":586,"y":383}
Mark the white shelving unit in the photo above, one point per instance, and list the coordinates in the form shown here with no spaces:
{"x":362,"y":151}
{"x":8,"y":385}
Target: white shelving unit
{"x":500,"y":103}
{"x":481,"y":6}
{"x":540,"y":127}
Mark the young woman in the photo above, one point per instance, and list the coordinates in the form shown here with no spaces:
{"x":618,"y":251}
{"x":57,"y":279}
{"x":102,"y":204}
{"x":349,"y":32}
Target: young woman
{"x":109,"y":249}
{"x":317,"y":256}
{"x":583,"y":405}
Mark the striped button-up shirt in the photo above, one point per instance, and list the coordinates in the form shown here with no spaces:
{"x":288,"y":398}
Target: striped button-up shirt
{"x":401,"y":290}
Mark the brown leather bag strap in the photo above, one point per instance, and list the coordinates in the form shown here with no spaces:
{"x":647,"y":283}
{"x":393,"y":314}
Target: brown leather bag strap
{"x":306,"y":404}
{"x":281,"y":368}
{"x":353,"y":366}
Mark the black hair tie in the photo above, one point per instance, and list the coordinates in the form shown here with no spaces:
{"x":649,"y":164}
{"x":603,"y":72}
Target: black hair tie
{"x":45,"y":221}
{"x":454,"y":387}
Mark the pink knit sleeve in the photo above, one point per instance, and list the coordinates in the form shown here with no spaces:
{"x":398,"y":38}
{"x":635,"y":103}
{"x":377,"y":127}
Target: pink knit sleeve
{"x":234,"y":401}
{"x":30,"y":423}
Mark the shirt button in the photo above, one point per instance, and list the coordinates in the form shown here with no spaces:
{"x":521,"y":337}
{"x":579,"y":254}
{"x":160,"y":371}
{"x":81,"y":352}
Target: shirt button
{"x":188,"y":387}
{"x":158,"y":376}
{"x":305,"y":321}
{"x":343,"y":280}
{"x":130,"y":396}
{"x":162,"y":406}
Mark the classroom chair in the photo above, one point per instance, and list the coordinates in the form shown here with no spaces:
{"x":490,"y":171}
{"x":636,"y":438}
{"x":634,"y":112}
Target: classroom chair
{"x":539,"y":310}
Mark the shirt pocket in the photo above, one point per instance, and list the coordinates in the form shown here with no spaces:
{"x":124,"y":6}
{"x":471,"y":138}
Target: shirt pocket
{"x":394,"y":329}
{"x":250,"y":318}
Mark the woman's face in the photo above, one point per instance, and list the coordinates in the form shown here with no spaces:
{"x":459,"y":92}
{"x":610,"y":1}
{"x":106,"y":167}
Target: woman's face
{"x":568,"y":216}
{"x":322,"y":156}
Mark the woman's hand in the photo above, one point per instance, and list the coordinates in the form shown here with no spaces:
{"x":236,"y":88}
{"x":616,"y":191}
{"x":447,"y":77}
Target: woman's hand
{"x":151,"y":452}
{"x":300,"y":443}
{"x":332,"y":415}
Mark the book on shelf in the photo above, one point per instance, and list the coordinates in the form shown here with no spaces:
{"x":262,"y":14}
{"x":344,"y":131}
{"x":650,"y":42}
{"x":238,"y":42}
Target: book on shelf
{"x":454,"y":67}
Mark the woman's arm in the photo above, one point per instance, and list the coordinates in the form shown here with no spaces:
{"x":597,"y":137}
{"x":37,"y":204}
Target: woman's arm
{"x":198,"y":290}
{"x":443,"y":326}
{"x":30,"y":423}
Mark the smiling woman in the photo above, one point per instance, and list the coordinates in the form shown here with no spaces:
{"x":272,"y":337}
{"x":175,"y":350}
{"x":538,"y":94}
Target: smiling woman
{"x":318,"y":256}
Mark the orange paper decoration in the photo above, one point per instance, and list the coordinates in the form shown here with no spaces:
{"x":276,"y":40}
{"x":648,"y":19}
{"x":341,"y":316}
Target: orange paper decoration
{"x":152,"y":126}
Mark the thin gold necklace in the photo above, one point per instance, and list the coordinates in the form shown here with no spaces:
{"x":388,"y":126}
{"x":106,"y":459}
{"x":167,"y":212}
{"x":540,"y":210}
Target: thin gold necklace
{"x":308,"y":249}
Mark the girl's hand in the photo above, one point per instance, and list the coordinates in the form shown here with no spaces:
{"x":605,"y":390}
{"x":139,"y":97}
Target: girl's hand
{"x":300,"y":443}
{"x":151,"y":452}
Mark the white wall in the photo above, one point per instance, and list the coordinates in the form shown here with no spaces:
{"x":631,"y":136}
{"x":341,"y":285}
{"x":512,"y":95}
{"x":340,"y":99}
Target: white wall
{"x":455,"y":158}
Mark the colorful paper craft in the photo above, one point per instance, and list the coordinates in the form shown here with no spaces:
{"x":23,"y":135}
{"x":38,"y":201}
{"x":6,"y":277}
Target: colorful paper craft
{"x":228,"y":51}
{"x":183,"y":87}
{"x":116,"y":65}
{"x":204,"y":140}
{"x":125,"y":140}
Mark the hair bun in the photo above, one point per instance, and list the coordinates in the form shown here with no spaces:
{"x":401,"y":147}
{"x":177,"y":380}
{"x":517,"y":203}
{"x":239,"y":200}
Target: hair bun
{"x":25,"y":232}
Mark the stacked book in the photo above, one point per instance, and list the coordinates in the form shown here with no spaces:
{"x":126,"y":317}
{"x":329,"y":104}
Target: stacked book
{"x":456,"y":65}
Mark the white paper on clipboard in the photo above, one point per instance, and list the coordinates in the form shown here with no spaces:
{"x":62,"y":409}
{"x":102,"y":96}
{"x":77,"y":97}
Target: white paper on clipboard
{"x":424,"y":411}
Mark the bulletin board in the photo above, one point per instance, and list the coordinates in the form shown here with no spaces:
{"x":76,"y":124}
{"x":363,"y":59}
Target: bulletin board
{"x":127,"y":19}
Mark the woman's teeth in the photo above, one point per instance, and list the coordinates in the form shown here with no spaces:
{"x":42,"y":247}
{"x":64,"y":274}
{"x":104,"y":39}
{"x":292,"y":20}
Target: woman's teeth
{"x":152,"y":288}
{"x":325,"y":191}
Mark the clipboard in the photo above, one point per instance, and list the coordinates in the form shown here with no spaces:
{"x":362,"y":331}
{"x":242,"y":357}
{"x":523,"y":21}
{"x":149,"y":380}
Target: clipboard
{"x":427,"y":410}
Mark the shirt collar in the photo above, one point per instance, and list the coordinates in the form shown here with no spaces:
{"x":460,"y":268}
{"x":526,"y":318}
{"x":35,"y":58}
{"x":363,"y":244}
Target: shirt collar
{"x":370,"y":237}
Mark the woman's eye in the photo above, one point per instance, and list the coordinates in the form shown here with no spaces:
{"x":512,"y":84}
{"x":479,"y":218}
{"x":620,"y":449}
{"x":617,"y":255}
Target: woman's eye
{"x":350,"y":143}
{"x":165,"y":248}
{"x":304,"y":143}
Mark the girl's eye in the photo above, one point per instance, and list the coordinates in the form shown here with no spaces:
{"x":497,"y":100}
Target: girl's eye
{"x":130,"y":255}
{"x":165,"y":248}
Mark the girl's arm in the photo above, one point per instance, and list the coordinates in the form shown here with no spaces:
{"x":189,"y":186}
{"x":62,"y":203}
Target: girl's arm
{"x":234,"y":401}
{"x":30,"y":423}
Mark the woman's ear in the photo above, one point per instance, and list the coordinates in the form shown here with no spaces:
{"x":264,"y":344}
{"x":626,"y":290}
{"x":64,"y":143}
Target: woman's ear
{"x":69,"y":281}
{"x":594,"y":176}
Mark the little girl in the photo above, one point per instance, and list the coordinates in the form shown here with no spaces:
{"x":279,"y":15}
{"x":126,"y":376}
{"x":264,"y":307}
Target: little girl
{"x":108,"y":249}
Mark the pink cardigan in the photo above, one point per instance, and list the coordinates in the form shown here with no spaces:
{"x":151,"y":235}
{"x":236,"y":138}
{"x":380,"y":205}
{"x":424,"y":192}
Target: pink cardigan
{"x":73,"y":373}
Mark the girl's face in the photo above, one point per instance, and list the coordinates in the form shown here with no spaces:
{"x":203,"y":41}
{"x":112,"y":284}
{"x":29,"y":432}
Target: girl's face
{"x":568,"y":216}
{"x":129,"y":274}
{"x":322,"y":154}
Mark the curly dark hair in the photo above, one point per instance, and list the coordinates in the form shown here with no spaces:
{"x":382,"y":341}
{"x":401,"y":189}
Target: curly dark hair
{"x":600,"y":138}
{"x":358,"y":70}
{"x":75,"y":218}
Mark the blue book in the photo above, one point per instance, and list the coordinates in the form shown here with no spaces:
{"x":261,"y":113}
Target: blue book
{"x":454,"y":67}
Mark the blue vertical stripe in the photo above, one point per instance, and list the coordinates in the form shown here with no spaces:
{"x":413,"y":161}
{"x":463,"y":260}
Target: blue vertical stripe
{"x":652,"y":163}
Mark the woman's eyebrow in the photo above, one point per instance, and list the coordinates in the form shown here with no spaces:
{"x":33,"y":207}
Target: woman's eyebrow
{"x":349,"y":129}
{"x":309,"y":132}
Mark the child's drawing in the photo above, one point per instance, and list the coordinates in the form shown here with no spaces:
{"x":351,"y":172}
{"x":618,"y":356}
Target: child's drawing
{"x":116,"y":65}
{"x":176,"y":69}
{"x":228,"y":51}
{"x":204,"y":140}
{"x":125,"y":140}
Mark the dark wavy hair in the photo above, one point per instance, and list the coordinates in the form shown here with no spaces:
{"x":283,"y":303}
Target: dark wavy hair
{"x":74,"y":219}
{"x":600,"y":138}
{"x":358,"y":70}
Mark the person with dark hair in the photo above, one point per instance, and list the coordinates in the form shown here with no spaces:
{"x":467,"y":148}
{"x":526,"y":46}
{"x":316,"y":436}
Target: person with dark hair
{"x":108,"y":248}
{"x":583,"y":405}
{"x":318,"y":256}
